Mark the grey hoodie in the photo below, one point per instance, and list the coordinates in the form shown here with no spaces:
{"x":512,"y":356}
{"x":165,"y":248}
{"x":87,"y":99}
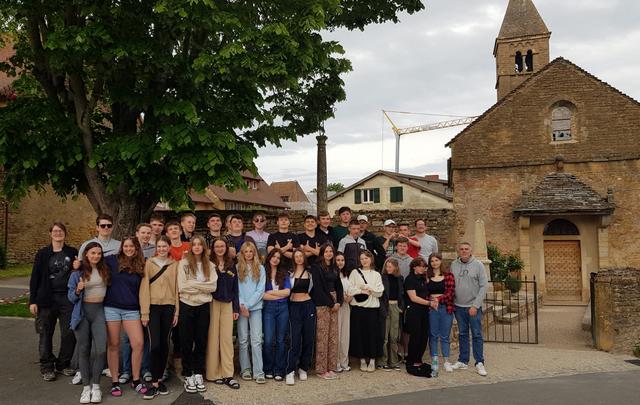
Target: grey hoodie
{"x":471,"y":282}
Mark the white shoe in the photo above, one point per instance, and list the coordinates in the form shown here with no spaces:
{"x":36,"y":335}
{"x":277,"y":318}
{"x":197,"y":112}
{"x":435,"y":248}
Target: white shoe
{"x":302,"y":374}
{"x":96,"y":396}
{"x":459,"y":366}
{"x":77,"y":379}
{"x":363,"y":365}
{"x":190,"y":384}
{"x":339,"y":369}
{"x":85,"y":397}
{"x":448,"y":367}
{"x":199,"y":380}
{"x":106,"y":372}
{"x":290,"y":379}
{"x":372,"y":366}
{"x":481,"y":370}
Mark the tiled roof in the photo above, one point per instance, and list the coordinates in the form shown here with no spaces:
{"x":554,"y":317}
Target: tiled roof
{"x":290,"y":189}
{"x":262,"y":196}
{"x":522,"y":19}
{"x":563,"y":193}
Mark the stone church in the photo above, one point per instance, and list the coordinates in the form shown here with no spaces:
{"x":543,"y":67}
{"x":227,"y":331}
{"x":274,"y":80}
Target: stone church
{"x":553,"y":168}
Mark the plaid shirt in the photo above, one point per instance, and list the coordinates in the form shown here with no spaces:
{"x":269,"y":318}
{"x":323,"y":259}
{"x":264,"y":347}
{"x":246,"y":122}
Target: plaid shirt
{"x":449,"y":292}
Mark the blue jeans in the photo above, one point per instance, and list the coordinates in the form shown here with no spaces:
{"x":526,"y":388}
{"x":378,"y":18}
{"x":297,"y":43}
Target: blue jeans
{"x":125,"y":353}
{"x":251,"y":327}
{"x":275,"y":320}
{"x":440,"y":329}
{"x":464,"y":322}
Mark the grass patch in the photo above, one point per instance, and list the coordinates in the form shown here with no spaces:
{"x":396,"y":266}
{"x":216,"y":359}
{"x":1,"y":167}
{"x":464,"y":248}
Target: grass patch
{"x":19,"y":308}
{"x":16,"y":270}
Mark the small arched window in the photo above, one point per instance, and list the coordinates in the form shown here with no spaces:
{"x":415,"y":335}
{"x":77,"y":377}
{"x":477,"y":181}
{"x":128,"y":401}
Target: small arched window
{"x":560,"y":227}
{"x":561,"y":117}
{"x":528,"y":61}
{"x":519,"y":62}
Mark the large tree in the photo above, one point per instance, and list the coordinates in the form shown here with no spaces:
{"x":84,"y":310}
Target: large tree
{"x":132,"y":102}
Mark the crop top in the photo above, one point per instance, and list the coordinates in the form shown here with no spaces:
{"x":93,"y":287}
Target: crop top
{"x":436,"y":287}
{"x":95,"y":286}
{"x":301,"y":285}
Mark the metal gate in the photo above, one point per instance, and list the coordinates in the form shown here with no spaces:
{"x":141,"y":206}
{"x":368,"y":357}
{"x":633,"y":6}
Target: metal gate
{"x":511,"y":312}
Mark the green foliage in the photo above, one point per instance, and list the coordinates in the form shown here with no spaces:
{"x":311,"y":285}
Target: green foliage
{"x":512,"y":284}
{"x":19,"y":308}
{"x":17,"y":270}
{"x":135,"y":102}
{"x":502,"y":265}
{"x":335,"y":187}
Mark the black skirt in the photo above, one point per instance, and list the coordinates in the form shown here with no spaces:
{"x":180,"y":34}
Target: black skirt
{"x":365,"y":338}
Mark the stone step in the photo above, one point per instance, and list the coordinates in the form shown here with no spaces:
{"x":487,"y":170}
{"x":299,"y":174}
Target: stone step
{"x":510,"y":317}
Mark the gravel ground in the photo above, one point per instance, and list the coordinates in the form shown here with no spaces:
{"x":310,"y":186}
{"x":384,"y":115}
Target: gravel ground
{"x":563,"y":350}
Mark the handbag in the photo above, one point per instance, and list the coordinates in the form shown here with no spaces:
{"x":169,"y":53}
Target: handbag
{"x":158,"y":274}
{"x":361,"y":297}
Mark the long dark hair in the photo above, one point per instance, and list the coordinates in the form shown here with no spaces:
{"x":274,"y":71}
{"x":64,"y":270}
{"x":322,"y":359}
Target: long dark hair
{"x":86,"y":269}
{"x":281,"y":272}
{"x":323,"y":264}
{"x":344,"y":271}
{"x":443,"y":269}
{"x":133,"y":264}
{"x":227,"y":260}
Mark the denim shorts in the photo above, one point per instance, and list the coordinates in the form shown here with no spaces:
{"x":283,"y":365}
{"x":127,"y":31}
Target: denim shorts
{"x":117,"y":314}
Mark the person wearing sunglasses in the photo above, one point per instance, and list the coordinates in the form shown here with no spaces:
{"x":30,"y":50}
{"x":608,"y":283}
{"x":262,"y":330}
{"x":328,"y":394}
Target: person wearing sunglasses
{"x":258,"y":234}
{"x":104,"y":227}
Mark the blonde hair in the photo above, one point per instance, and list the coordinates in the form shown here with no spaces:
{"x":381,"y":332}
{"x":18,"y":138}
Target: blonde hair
{"x":204,"y":258}
{"x":243,"y":266}
{"x":394,"y":264}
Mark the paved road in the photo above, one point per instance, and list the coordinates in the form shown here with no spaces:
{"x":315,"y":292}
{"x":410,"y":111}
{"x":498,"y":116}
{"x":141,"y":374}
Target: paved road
{"x":600,"y":388}
{"x":12,"y":287}
{"x":20,"y":382}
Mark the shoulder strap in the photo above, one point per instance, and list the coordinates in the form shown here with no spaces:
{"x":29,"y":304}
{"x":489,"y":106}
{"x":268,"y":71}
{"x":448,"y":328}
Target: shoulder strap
{"x":158,"y":274}
{"x":362,"y":275}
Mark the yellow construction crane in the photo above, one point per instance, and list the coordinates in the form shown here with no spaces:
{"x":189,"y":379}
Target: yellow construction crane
{"x":457,"y":121}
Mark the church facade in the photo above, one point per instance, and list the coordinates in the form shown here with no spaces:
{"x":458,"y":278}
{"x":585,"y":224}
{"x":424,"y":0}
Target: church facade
{"x":553,"y":168}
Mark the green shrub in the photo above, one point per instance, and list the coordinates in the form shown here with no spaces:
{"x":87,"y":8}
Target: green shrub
{"x":512,"y":284}
{"x":502,"y":265}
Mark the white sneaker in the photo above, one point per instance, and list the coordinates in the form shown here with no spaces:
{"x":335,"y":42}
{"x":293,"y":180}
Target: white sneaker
{"x":363,"y":365}
{"x":448,"y":367}
{"x":106,"y":372}
{"x":339,"y":369}
{"x":85,"y":397}
{"x":481,"y":370}
{"x":302,"y":374}
{"x":190,"y":384}
{"x":290,"y":380}
{"x":372,"y":366}
{"x":199,"y":381}
{"x":96,"y":396}
{"x":77,"y":379}
{"x":459,"y":366}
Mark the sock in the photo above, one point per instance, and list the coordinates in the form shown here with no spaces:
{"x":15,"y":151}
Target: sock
{"x":86,"y":388}
{"x":372,"y":362}
{"x":363,"y":362}
{"x":95,"y":386}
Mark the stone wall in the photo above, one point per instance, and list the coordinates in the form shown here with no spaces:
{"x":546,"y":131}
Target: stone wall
{"x":617,"y":307}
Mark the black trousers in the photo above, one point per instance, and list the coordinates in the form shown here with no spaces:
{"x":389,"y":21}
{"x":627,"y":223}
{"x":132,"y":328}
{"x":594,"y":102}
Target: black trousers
{"x":302,"y":329}
{"x":160,"y":319}
{"x":58,"y":313}
{"x":193,"y":324}
{"x":417,"y":325}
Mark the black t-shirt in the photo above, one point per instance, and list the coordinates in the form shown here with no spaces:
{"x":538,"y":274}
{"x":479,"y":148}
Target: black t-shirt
{"x":59,"y":271}
{"x":419,"y":284}
{"x":238,"y":240}
{"x":283,"y":238}
{"x":315,"y":242}
{"x":393,"y":287}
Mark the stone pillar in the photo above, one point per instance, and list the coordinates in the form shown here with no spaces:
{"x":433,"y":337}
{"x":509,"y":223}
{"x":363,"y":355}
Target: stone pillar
{"x":321,"y":182}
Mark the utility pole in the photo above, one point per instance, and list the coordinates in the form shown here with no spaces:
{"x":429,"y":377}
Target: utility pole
{"x":321,"y":176}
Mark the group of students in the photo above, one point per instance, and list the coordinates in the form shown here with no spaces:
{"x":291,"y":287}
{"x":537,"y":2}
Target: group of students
{"x":316,"y":298}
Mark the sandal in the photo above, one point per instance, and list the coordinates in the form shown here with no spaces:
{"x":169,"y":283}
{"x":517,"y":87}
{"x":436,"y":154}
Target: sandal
{"x":246,"y":375}
{"x":231,"y":383}
{"x":219,"y":381}
{"x":116,"y":391}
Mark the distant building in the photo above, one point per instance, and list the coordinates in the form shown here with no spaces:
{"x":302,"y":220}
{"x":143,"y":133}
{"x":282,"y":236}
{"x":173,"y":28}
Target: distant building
{"x":292,"y":194}
{"x":384,"y":190}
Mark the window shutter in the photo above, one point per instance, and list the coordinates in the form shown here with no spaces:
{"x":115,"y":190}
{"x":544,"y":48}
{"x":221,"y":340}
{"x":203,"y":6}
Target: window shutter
{"x":396,"y":194}
{"x":376,"y":195}
{"x":358,"y":196}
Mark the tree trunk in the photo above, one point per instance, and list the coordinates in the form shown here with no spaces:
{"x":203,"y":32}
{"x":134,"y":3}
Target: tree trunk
{"x":127,"y":213}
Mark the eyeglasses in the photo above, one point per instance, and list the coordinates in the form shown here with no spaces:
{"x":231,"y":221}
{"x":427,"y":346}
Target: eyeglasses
{"x":108,"y":226}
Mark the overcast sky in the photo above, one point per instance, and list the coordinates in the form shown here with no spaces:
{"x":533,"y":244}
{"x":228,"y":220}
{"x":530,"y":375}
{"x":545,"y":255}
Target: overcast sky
{"x":440,"y":61}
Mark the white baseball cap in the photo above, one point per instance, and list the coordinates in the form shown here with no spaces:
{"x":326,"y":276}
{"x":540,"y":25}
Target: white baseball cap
{"x":363,"y":218}
{"x":389,"y":222}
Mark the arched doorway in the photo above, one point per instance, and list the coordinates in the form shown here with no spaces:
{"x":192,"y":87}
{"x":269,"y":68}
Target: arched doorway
{"x":562,"y":260}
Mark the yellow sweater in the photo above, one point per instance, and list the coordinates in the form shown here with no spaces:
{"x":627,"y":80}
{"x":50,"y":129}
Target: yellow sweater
{"x":163,"y":291}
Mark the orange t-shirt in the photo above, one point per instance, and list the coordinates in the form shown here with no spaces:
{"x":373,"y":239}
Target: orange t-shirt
{"x":177,"y":252}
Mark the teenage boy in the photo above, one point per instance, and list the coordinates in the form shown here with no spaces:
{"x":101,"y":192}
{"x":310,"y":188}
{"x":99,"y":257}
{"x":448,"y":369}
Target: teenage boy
{"x":236,"y":237}
{"x":143,"y":234}
{"x":48,"y":302}
{"x":104,"y":227}
{"x":324,"y":225}
{"x":372,"y":240}
{"x":342,"y":229}
{"x":214,"y":224}
{"x":283,"y":240}
{"x":157,"y":227}
{"x":310,"y":240}
{"x":178,"y":248}
{"x":401,"y":255}
{"x":428,"y":244}
{"x":188,"y":224}
{"x":388,"y":239}
{"x":352,"y":245}
{"x":414,"y":245}
{"x":258,"y":234}
{"x":471,"y":288}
